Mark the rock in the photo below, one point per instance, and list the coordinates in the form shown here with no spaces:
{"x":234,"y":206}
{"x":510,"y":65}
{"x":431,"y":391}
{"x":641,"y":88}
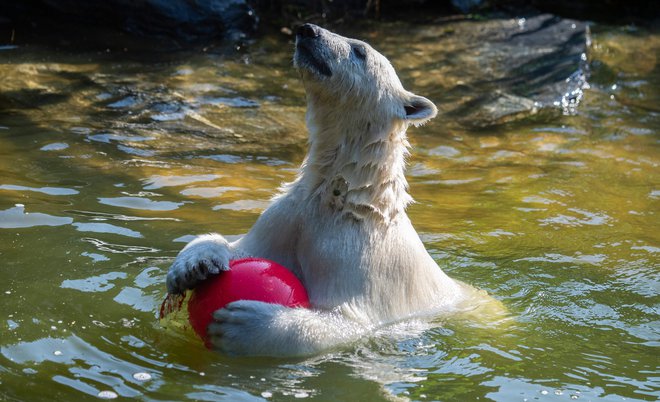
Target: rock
{"x":179,"y":19}
{"x":502,"y":70}
{"x":497,"y":108}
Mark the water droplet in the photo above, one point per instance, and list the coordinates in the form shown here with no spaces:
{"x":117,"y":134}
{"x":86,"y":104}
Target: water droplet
{"x":107,"y":395}
{"x":142,"y":376}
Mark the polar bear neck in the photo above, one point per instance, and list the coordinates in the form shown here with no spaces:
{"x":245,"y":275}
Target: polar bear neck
{"x":356,"y":165}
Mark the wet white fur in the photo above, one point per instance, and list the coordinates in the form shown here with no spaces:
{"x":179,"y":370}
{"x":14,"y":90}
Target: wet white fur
{"x":356,"y":253}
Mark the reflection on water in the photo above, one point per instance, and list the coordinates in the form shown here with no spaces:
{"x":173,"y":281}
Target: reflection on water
{"x":16,"y":217}
{"x":109,"y":163}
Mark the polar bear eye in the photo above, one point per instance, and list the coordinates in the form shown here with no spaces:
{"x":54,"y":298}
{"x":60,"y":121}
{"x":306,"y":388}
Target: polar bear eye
{"x":359,"y":52}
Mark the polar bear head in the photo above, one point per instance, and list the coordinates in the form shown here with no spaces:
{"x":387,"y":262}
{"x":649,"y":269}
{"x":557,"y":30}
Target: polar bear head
{"x":350,"y":77}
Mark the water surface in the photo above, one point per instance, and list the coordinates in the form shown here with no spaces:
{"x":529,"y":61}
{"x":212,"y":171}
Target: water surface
{"x":111,"y":161}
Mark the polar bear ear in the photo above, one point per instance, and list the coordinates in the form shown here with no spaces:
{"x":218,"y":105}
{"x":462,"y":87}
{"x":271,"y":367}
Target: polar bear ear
{"x":418,"y":109}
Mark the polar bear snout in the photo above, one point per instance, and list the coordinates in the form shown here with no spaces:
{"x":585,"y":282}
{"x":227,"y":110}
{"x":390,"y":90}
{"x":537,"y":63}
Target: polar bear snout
{"x":310,"y":50}
{"x":308,"y":31}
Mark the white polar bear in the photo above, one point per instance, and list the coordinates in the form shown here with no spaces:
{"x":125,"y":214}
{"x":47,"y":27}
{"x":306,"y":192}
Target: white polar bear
{"x":341,"y":226}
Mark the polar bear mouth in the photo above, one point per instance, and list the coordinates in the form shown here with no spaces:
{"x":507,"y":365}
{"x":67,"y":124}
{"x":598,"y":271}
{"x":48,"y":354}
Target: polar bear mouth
{"x":306,"y":57}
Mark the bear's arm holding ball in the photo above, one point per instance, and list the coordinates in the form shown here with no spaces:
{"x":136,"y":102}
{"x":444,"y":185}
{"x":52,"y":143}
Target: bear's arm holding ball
{"x":271,"y":237}
{"x":247,"y":327}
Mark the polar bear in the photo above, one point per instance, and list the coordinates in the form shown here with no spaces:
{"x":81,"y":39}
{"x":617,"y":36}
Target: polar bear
{"x":341,"y":226}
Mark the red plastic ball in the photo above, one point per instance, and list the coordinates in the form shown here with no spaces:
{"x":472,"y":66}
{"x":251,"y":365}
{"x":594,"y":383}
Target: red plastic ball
{"x":247,"y":279}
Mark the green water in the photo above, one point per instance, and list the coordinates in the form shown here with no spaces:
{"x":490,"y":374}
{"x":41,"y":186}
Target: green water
{"x":111,"y":161}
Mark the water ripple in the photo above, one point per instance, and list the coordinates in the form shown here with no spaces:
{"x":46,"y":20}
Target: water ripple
{"x":578,"y":258}
{"x":100,"y":283}
{"x":55,"y":146}
{"x":137,"y":299}
{"x":444,"y":151}
{"x":587,"y":218}
{"x":140,"y":203}
{"x":119,"y":248}
{"x":103,"y":216}
{"x":106,"y":228}
{"x":44,"y":190}
{"x":16,"y":217}
{"x":243,"y":205}
{"x":156,"y":182}
{"x":112,"y":137}
{"x":209,"y":192}
{"x":99,"y":371}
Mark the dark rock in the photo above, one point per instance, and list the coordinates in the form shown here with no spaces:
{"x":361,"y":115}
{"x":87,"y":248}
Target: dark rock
{"x":179,"y":19}
{"x":524,"y":66}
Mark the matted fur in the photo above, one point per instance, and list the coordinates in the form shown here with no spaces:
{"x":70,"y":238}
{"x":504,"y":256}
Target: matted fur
{"x":341,"y":226}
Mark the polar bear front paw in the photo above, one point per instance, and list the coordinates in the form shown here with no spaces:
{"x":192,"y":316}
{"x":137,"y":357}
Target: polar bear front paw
{"x":206,"y":255}
{"x":244,"y":327}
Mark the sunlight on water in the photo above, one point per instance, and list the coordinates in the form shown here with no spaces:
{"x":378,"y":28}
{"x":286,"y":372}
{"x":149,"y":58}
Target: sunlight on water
{"x":110,"y":163}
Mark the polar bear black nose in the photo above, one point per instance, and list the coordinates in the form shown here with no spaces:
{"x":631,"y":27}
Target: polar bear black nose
{"x":308,"y":31}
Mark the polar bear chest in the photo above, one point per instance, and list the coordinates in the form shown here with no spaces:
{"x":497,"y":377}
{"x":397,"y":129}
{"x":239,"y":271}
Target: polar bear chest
{"x":335,"y":255}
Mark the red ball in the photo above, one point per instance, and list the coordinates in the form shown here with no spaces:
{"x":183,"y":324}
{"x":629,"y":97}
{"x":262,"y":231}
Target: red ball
{"x":247,"y":279}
